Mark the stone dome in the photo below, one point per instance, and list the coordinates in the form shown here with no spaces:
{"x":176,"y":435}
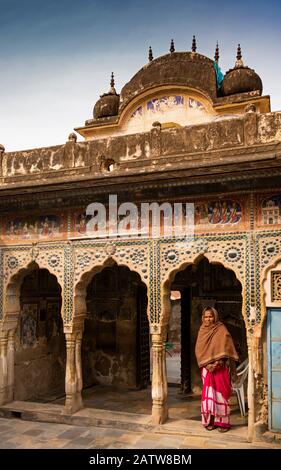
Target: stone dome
{"x":240,"y":79}
{"x":108,"y":104}
{"x":177,"y":68}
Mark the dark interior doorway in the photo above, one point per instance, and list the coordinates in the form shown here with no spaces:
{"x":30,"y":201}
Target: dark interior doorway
{"x":115,"y":347}
{"x":40,"y":353}
{"x":200,"y":285}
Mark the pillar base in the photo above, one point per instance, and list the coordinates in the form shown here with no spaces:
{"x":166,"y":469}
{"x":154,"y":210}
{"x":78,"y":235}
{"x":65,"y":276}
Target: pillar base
{"x":159,"y":414}
{"x":73,"y":403}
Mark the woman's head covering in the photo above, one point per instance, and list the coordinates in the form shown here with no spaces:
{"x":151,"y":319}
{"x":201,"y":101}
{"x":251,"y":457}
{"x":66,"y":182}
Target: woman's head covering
{"x":212,"y":309}
{"x":214,"y":342}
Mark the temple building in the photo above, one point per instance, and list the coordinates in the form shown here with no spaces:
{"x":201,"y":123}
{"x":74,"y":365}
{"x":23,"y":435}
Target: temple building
{"x":81,"y":310}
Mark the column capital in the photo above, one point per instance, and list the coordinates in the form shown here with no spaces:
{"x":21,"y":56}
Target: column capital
{"x":76,"y":326}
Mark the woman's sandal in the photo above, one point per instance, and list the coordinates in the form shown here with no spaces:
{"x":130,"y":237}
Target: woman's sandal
{"x":223,"y":429}
{"x":210,"y":427}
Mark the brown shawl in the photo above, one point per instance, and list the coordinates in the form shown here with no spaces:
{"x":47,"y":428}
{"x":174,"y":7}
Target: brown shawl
{"x":214,"y":342}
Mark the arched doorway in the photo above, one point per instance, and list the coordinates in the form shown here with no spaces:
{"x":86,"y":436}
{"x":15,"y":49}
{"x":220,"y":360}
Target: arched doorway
{"x":39,"y":364}
{"x":199,"y":285}
{"x":115,"y":345}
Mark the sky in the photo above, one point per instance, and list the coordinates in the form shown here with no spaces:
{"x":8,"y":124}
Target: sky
{"x":56,"y":56}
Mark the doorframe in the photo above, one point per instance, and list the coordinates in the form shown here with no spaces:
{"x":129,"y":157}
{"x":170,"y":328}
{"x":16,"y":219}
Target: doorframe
{"x":269,"y":365}
{"x":269,"y":362}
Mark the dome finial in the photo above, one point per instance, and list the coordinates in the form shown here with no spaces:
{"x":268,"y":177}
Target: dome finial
{"x":112,"y":84}
{"x":194,"y":45}
{"x":217,"y":53}
{"x":150,"y":54}
{"x":172,"y":48}
{"x":239,"y":61}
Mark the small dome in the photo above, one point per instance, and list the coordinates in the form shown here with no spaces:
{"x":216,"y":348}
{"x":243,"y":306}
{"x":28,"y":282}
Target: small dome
{"x":240,"y":79}
{"x":108,"y":104}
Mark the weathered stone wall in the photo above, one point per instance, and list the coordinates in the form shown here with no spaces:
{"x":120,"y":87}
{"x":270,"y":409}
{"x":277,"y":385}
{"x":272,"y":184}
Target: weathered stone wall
{"x":110,"y":335}
{"x":40,"y":370}
{"x":165,"y":149}
{"x":39,"y":342}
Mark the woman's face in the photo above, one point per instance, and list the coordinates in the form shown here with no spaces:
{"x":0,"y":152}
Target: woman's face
{"x":209,"y":318}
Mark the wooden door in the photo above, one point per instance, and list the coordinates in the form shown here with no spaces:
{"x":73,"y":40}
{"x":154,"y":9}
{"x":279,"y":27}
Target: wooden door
{"x":274,"y":368}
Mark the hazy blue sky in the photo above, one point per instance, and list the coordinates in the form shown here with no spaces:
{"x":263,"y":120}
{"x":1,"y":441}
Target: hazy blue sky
{"x":56,"y":56}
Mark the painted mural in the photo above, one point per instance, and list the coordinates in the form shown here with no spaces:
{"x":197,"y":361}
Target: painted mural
{"x":213,"y":214}
{"x":81,"y":226}
{"x":222,"y":212}
{"x":28,"y":325}
{"x":164,"y":103}
{"x":80,"y":221}
{"x":172,"y":109}
{"x":34,"y":227}
{"x":53,"y":319}
{"x":270,"y":210}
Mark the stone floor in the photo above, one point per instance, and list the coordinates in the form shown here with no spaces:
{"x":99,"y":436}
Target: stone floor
{"x":19,"y":434}
{"x":123,"y":420}
{"x":114,"y":418}
{"x":181,"y":406}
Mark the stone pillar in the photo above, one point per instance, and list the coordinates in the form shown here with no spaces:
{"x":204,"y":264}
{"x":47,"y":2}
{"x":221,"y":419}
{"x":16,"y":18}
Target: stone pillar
{"x":11,"y":365}
{"x":3,"y":366}
{"x":73,"y":376}
{"x":159,"y":380}
{"x":78,"y":362}
{"x":251,"y":393}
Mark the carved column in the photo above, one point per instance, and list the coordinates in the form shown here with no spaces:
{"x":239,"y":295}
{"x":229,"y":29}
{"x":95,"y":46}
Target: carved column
{"x":78,"y":362}
{"x":251,"y":393}
{"x":3,"y":366}
{"x":73,"y":376}
{"x":159,"y":379}
{"x":10,"y":364}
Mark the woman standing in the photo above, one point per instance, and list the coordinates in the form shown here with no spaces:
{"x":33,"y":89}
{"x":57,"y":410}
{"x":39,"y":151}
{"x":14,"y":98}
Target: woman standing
{"x":216,"y":354}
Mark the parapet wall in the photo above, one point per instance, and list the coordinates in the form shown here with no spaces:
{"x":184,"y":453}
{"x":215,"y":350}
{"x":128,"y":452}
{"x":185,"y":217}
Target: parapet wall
{"x":163,"y":149}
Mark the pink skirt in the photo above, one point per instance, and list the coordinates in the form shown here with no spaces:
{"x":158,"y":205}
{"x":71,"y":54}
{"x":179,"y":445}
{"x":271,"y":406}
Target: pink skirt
{"x":215,"y":397}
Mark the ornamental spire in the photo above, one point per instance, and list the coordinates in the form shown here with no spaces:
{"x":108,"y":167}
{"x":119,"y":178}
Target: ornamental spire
{"x":194,"y":45}
{"x":239,"y":61}
{"x":217,"y":53}
{"x":172,"y":48}
{"x":112,"y":85}
{"x":150,"y":54}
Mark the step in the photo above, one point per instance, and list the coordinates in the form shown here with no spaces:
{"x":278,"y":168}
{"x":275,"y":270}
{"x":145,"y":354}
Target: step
{"x":52,"y":413}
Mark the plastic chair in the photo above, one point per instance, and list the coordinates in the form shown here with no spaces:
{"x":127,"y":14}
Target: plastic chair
{"x":169,"y":346}
{"x":238,"y":386}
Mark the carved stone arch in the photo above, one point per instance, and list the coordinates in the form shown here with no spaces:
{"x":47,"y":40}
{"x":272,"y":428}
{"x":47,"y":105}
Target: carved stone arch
{"x":264,"y":277}
{"x":85,"y":277}
{"x":11,"y":307}
{"x":20,"y":261}
{"x":195,"y":259}
{"x":269,"y":254}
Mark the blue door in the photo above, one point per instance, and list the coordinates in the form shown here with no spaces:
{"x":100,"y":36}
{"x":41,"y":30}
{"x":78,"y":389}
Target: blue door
{"x":274,"y":368}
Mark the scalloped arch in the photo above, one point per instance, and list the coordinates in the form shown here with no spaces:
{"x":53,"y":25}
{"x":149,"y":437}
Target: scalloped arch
{"x":80,"y":288}
{"x":13,"y":287}
{"x":264,"y":274}
{"x":166,"y":284}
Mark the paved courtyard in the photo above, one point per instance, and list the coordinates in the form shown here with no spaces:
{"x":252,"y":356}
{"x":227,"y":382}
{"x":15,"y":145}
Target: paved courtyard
{"x":19,"y":434}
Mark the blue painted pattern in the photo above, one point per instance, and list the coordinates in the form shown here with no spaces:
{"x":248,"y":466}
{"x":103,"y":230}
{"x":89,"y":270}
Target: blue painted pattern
{"x":274,"y":368}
